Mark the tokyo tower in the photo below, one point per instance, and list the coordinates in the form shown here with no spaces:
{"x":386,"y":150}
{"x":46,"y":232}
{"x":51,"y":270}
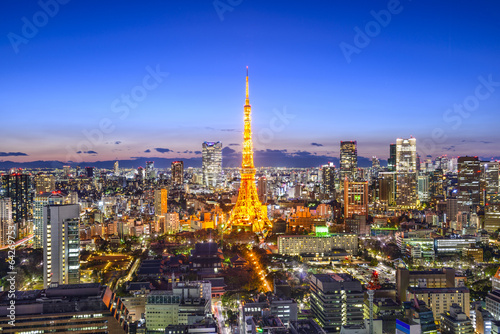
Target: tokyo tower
{"x":248,"y":214}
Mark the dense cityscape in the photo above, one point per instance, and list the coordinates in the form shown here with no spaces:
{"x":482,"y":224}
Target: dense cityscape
{"x":409,"y":247}
{"x":149,"y":184}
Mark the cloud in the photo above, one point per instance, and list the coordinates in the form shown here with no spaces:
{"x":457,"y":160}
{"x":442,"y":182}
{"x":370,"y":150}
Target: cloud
{"x":163,"y":150}
{"x":316,"y":144}
{"x":234,"y":144}
{"x":186,"y":151}
{"x":86,"y":152}
{"x":229,"y":130}
{"x":197,"y":152}
{"x":12,"y":154}
{"x":486,"y":142}
{"x":227,"y":152}
{"x":451,"y":148}
{"x":118,"y":142}
{"x":147,"y":151}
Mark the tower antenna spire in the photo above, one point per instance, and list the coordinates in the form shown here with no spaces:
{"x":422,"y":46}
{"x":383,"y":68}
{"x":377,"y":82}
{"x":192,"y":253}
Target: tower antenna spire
{"x":247,"y":98}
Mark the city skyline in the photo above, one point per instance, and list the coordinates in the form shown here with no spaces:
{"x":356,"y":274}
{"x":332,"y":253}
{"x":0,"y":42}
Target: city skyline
{"x":315,"y":81}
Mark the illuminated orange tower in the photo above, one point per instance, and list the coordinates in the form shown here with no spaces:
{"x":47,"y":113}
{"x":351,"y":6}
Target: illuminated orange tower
{"x":248,"y":214}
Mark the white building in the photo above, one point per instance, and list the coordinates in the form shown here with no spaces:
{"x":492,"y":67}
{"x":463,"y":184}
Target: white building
{"x":61,"y":244}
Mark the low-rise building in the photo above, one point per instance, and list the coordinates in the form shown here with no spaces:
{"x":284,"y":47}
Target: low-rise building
{"x":440,"y":299}
{"x":319,"y":243}
{"x":455,"y":321}
{"x":75,"y":308}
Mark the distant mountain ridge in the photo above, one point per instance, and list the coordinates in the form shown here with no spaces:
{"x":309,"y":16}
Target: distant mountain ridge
{"x":264,"y":159}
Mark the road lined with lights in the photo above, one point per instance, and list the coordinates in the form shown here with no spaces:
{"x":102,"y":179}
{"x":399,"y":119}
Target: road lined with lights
{"x":260,"y":272}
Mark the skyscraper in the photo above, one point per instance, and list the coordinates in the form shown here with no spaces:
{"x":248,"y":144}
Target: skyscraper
{"x":89,"y":171}
{"x":406,"y":155}
{"x":387,"y":188}
{"x":161,"y":201}
{"x":469,"y":192}
{"x":61,"y":244}
{"x":329,"y":179}
{"x":177,"y":169}
{"x":262,"y":189}
{"x":355,"y":199}
{"x":150,"y":170}
{"x":212,"y":164}
{"x":39,"y":202}
{"x":336,"y":300}
{"x":248,"y":213}
{"x":391,"y":162}
{"x":348,"y":160}
{"x":406,"y":173}
{"x":6,"y":221}
{"x":116,"y":168}
{"x":45,"y":183}
{"x":16,"y":186}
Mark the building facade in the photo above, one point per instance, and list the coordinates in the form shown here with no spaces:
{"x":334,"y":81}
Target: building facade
{"x":212,"y":164}
{"x":61,"y":244}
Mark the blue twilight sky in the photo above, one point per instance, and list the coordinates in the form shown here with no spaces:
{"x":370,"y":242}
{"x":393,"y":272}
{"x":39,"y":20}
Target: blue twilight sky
{"x":320,"y":72}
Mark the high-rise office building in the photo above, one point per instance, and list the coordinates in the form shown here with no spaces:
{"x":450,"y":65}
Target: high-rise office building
{"x":423,"y":188}
{"x":437,"y":188}
{"x":16,"y":186}
{"x":177,"y":169}
{"x":336,"y":300}
{"x":489,"y":180}
{"x":262,"y":189}
{"x":469,"y":181}
{"x":61,"y":244}
{"x":387,"y":188}
{"x":161,"y":201}
{"x":355,"y":199}
{"x":212,"y":164}
{"x":406,"y":155}
{"x":150,"y":172}
{"x":44,"y":183}
{"x":391,"y":162}
{"x":39,"y":202}
{"x":6,"y":221}
{"x":329,"y":179}
{"x":116,"y":168}
{"x":348,"y":160}
{"x":492,"y":213}
{"x":406,"y":190}
{"x":89,"y":171}
{"x":375,"y":163}
{"x":406,"y":173}
{"x":67,"y":171}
